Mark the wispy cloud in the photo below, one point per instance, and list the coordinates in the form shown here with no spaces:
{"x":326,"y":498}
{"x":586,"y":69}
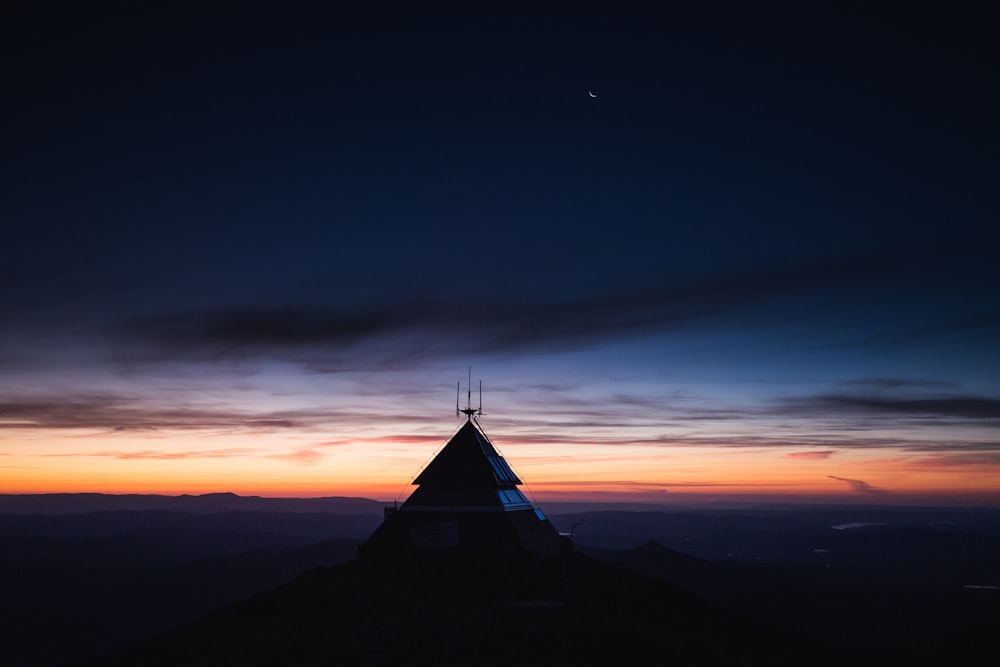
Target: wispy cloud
{"x":237,"y":452}
{"x":809,"y":427}
{"x":662,"y":486}
{"x":897,"y":383}
{"x":270,"y":424}
{"x":904,"y":400}
{"x":942,"y":407}
{"x":117,"y":413}
{"x":302,"y":456}
{"x":858,"y":485}
{"x":973,"y":459}
{"x":652,"y":486}
{"x":327,"y":338}
{"x":812,"y":455}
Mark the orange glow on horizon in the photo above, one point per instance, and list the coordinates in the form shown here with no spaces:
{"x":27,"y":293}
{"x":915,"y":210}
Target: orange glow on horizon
{"x":381,"y":467}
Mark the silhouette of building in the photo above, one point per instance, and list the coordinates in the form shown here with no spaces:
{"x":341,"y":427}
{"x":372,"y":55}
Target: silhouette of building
{"x":466,"y":501}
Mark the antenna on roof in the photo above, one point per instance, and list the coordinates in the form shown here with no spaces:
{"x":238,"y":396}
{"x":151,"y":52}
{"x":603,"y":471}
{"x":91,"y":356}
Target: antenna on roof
{"x":468,"y":410}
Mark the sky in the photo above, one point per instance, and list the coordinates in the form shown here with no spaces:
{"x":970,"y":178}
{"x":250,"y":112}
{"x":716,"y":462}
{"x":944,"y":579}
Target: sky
{"x":707,"y":251}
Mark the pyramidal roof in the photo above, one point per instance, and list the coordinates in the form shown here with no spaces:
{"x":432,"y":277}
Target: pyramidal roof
{"x":469,"y":459}
{"x":468,"y":474}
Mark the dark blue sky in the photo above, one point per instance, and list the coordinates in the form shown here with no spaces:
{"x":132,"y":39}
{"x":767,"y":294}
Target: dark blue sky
{"x":781,"y":212}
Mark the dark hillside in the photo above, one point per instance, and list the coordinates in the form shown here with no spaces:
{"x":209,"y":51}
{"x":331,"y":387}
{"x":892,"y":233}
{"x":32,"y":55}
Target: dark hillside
{"x":97,"y":580}
{"x":578,"y":611}
{"x":858,"y":615}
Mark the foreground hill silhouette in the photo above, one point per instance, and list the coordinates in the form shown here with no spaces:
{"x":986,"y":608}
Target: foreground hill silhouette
{"x":453,"y":611}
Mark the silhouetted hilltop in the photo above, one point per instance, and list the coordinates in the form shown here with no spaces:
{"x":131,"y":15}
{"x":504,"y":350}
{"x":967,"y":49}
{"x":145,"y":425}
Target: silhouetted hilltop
{"x":457,"y":612}
{"x":654,"y":560}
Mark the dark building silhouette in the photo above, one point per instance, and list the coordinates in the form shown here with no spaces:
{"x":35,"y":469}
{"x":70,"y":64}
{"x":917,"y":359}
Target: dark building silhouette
{"x":467,"y":502}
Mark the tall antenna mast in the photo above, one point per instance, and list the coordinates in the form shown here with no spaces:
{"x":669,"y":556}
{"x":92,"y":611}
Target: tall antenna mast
{"x":468,"y":410}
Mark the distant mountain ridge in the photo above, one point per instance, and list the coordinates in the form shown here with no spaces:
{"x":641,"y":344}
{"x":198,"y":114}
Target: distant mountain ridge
{"x":83,"y":503}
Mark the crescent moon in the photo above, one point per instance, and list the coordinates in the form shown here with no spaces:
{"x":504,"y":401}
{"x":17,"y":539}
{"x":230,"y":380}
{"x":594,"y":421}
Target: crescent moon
{"x":591,"y":94}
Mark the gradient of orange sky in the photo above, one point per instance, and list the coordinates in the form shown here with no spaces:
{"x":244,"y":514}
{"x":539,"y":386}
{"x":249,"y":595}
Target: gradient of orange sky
{"x":380,"y":465}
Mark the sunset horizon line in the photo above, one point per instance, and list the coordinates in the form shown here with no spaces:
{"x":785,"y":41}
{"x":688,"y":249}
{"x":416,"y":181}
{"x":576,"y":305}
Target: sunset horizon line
{"x":970,"y":500}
